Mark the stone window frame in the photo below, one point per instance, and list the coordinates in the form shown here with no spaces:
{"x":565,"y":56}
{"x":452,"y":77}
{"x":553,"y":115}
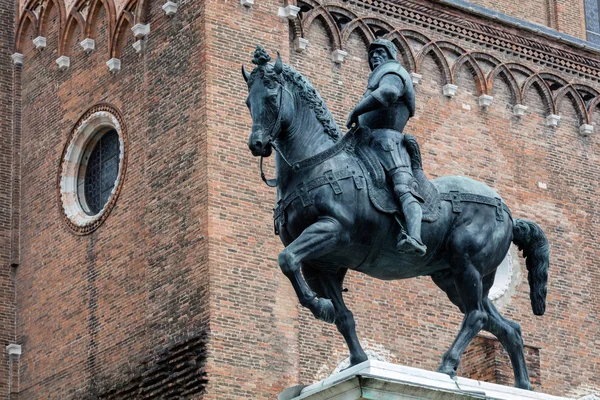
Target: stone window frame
{"x":592,"y":20}
{"x":95,"y":121}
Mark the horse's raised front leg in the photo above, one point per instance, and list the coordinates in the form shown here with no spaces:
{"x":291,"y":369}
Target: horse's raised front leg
{"x":344,"y":320}
{"x":320,"y":238}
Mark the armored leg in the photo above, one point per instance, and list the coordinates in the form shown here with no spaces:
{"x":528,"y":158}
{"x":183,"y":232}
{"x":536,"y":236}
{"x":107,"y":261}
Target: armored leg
{"x":411,"y":240}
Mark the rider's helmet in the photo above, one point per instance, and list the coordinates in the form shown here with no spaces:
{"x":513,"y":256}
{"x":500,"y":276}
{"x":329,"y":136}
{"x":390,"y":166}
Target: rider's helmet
{"x":387,"y":45}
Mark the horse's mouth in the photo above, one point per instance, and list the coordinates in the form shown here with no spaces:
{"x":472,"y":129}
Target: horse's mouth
{"x":264,"y":151}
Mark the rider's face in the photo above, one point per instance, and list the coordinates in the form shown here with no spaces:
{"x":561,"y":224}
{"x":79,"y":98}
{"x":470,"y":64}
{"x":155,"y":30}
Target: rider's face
{"x":378,"y":56}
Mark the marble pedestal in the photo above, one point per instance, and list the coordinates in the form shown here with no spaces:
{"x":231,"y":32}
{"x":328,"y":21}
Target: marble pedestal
{"x":378,"y":380}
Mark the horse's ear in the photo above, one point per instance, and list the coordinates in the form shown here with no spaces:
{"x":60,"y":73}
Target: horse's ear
{"x":245,"y":74}
{"x":278,"y":64}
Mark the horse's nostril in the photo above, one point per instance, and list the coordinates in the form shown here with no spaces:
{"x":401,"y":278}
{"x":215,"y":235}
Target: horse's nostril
{"x":259,"y":144}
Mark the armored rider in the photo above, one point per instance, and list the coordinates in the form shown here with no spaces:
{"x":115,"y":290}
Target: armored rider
{"x":385,"y":109}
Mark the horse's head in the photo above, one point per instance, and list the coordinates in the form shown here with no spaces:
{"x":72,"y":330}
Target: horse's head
{"x":270,"y":103}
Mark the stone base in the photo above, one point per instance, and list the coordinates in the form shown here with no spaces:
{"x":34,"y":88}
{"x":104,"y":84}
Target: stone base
{"x":379,"y":380}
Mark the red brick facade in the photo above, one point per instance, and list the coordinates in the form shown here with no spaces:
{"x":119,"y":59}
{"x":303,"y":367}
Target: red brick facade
{"x":178,"y":291}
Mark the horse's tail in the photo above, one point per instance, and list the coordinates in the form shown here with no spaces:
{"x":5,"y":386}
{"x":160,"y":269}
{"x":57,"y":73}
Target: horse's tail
{"x":531,"y":239}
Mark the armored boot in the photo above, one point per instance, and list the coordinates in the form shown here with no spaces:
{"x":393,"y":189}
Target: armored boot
{"x":410,"y":241}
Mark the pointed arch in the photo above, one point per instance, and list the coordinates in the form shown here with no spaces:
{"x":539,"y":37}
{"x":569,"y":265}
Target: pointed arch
{"x":593,"y":104}
{"x":59,"y":4}
{"x":474,"y":69}
{"x":416,"y":36}
{"x":481,"y":56}
{"x":126,"y":21}
{"x":519,"y":68}
{"x":439,"y":59}
{"x":406,"y":52}
{"x":94,"y":9}
{"x":507,"y":76}
{"x":28,"y":18}
{"x":363,"y":29}
{"x":330,"y":25}
{"x":542,"y":88}
{"x":451,"y":47}
{"x":140,"y":12}
{"x":569,"y":90}
{"x":370,"y":22}
{"x":75,"y":20}
{"x":590,"y":92}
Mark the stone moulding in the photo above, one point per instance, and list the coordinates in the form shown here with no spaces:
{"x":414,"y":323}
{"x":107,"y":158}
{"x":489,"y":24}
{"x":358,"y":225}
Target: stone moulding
{"x":17,"y":58}
{"x":63,"y":62}
{"x":381,"y":380}
{"x":485,"y":100}
{"x":288,"y":12}
{"x":338,"y":56}
{"x":99,"y":117}
{"x":449,"y":90}
{"x":88,"y":45}
{"x":416,"y":78}
{"x":300,"y":44}
{"x":170,"y":8}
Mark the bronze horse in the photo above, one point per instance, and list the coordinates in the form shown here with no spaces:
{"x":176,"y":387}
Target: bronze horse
{"x":329,"y":225}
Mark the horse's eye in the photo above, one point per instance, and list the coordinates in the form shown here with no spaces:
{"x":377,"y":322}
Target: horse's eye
{"x":269,"y":83}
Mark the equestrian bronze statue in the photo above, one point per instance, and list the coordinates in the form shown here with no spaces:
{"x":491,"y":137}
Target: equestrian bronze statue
{"x":336,"y":210}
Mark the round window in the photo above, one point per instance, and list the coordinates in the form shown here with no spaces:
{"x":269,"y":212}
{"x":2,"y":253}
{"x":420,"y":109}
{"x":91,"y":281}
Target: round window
{"x":92,"y":168}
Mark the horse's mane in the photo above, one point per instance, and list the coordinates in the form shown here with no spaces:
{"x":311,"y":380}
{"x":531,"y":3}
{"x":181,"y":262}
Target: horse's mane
{"x":309,"y":94}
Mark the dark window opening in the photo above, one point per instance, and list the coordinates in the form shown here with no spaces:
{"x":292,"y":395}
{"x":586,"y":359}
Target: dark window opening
{"x":592,"y":20}
{"x":100,"y":175}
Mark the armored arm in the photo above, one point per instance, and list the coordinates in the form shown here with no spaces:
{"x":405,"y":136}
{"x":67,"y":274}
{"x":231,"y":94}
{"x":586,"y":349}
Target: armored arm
{"x":391,"y":87}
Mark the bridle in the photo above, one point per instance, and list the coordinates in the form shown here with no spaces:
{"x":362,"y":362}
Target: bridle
{"x":274,"y":127}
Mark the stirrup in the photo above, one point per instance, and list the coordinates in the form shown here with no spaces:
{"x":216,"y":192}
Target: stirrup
{"x":408,"y":244}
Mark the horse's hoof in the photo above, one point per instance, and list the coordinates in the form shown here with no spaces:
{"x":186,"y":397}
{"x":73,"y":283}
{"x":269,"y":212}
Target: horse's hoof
{"x":524,"y":386}
{"x":325,"y":311}
{"x":451,"y":372}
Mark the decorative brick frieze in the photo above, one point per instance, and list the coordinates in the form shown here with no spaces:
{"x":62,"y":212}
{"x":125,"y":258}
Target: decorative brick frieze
{"x":528,"y":46}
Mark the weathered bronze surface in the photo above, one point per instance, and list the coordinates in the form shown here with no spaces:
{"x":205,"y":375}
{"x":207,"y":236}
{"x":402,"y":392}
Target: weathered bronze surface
{"x":336,"y":212}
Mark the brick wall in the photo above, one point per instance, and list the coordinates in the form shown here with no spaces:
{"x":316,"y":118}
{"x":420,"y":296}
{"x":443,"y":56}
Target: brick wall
{"x":8,"y":183}
{"x":189,"y":246}
{"x":566,"y":16}
{"x":113,"y":309}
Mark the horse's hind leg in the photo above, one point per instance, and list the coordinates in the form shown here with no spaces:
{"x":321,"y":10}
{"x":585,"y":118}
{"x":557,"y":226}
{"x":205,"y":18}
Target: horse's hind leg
{"x":509,"y":334}
{"x":320,"y":238}
{"x":344,"y":320}
{"x":469,"y":287}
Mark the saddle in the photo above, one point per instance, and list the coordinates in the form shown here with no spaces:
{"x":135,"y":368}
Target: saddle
{"x":380,"y":192}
